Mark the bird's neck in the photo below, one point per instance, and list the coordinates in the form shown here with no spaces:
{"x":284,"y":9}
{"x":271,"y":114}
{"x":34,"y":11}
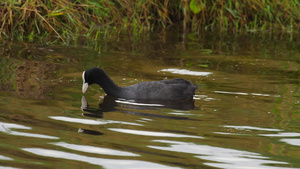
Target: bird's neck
{"x":109,"y":86}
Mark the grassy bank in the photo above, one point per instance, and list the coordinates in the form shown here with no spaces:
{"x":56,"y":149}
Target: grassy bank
{"x":64,"y":19}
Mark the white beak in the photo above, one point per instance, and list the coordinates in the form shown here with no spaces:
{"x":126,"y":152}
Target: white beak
{"x":84,"y":87}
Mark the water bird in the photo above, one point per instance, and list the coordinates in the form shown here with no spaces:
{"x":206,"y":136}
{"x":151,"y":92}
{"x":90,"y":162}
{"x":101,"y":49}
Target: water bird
{"x":174,"y":89}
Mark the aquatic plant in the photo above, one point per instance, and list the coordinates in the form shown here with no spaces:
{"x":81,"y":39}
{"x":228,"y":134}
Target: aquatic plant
{"x":64,"y":19}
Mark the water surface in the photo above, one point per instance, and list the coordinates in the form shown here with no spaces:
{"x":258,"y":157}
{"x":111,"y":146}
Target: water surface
{"x":244,"y":115}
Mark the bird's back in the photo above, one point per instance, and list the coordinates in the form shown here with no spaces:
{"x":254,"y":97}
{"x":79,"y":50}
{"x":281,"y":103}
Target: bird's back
{"x":175,"y":89}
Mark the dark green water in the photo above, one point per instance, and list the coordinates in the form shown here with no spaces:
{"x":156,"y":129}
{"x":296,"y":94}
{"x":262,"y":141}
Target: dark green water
{"x":246,"y":114}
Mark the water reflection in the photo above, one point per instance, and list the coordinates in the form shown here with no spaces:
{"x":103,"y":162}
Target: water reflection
{"x":106,"y":163}
{"x":26,"y":78}
{"x":280,"y":133}
{"x":5,"y":158}
{"x":153,"y":133}
{"x":294,"y":142}
{"x":221,"y":157}
{"x":251,"y":128}
{"x":185,"y":72}
{"x":283,"y":134}
{"x":8,"y":167}
{"x":246,"y":94}
{"x":135,"y":104}
{"x":91,"y":121}
{"x":95,"y":150}
{"x":110,"y":104}
{"x":90,"y":132}
{"x":8,"y":128}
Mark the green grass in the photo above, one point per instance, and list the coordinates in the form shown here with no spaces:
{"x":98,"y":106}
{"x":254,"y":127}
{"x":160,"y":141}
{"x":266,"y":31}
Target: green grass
{"x":66,"y":19}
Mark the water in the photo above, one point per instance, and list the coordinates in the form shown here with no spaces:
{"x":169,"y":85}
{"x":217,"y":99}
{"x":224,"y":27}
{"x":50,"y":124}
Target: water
{"x":245,"y":115}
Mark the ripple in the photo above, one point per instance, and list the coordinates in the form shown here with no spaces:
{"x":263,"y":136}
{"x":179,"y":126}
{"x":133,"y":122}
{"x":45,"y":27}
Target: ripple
{"x":2,"y":167}
{"x":7,"y":128}
{"x":152,"y":133}
{"x":185,"y":72}
{"x":131,"y":102}
{"x":181,"y":114}
{"x":284,"y":134}
{"x":91,"y":122}
{"x":294,"y":142}
{"x":251,"y":128}
{"x":236,"y":93}
{"x":224,"y":133}
{"x":5,"y":158}
{"x":246,"y":94}
{"x":4,"y":127}
{"x":95,"y":150}
{"x":222,"y":157}
{"x":106,"y":163}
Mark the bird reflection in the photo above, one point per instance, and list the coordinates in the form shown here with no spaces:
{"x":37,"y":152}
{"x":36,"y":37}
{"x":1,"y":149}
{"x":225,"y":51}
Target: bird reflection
{"x":90,"y":132}
{"x":110,"y":104}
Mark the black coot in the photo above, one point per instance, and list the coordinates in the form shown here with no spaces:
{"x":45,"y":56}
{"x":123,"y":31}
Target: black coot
{"x":175,"y":89}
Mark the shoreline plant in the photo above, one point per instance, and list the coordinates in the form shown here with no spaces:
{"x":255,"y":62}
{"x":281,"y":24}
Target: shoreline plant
{"x":65,"y":19}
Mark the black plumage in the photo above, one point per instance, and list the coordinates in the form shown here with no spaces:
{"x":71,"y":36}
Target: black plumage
{"x":175,"y":89}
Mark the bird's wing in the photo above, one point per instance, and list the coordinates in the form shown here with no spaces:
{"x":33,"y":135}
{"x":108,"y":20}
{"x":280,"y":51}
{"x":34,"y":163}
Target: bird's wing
{"x":178,"y":81}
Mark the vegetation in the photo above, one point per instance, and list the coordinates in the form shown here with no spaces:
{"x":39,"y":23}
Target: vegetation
{"x":67,"y":18}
